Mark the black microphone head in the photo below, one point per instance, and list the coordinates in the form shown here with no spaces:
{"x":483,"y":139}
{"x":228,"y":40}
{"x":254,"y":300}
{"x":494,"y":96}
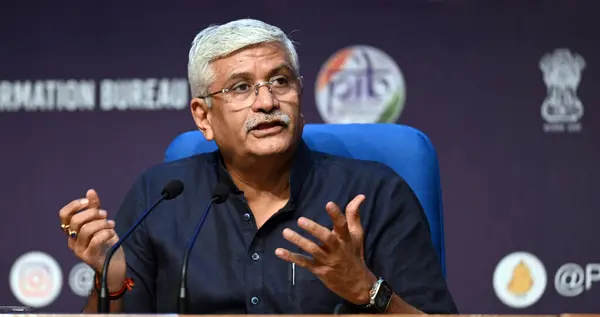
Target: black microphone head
{"x":173,"y":189}
{"x":220,"y":193}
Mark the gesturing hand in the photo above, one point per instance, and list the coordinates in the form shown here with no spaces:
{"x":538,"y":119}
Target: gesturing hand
{"x":339,"y":260}
{"x":91,"y":234}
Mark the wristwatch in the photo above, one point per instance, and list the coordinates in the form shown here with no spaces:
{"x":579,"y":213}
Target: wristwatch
{"x":380,"y":296}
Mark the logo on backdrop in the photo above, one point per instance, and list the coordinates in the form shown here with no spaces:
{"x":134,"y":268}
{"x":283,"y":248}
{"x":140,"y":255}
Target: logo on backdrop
{"x":36,"y":279}
{"x":572,"y":279}
{"x":562,"y":109}
{"x":89,"y":95}
{"x":81,"y":279}
{"x":520,"y":279}
{"x":360,"y":84}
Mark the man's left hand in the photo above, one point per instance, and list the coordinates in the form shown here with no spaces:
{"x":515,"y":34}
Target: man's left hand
{"x":339,"y":260}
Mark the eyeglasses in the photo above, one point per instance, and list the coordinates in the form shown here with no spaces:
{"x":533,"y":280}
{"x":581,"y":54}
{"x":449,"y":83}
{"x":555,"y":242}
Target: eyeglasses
{"x":244,"y":93}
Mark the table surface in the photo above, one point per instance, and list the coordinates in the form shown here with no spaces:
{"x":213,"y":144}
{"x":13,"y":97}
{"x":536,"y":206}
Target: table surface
{"x":173,"y":315}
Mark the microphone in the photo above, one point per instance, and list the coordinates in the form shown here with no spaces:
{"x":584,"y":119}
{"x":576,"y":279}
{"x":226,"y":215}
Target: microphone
{"x":339,"y":309}
{"x":171,"y":190}
{"x":219,"y":196}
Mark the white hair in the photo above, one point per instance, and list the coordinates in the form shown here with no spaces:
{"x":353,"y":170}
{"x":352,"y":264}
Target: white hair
{"x":217,"y":41}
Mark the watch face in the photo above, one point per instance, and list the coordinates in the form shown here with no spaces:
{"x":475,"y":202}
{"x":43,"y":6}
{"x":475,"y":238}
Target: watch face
{"x":384,"y":295}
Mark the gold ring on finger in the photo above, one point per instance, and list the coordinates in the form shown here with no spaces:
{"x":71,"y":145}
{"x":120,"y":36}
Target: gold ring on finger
{"x":72,"y":233}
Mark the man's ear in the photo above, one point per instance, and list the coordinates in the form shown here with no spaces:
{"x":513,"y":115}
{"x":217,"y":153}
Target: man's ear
{"x":202,"y":117}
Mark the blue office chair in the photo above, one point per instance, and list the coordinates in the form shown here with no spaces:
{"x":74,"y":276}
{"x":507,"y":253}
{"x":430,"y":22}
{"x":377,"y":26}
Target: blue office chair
{"x":406,"y":150}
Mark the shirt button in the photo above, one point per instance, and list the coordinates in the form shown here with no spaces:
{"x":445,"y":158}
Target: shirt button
{"x":247,"y":216}
{"x":255,"y":257}
{"x":254,"y":300}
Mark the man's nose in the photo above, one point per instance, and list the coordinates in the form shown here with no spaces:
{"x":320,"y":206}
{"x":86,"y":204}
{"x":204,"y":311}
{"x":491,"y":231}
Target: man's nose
{"x":265,"y":100}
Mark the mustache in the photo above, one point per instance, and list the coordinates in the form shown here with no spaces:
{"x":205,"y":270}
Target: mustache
{"x":276,"y":116}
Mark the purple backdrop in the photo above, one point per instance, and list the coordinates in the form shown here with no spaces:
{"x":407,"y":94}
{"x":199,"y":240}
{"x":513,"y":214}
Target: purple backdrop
{"x":512,"y":180}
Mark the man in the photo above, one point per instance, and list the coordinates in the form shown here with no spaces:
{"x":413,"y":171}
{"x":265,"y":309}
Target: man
{"x":301,"y":231}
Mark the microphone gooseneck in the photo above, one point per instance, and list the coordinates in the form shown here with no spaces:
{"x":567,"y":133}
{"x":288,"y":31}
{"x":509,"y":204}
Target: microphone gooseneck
{"x":173,"y":189}
{"x":338,"y":309}
{"x":220,"y":195}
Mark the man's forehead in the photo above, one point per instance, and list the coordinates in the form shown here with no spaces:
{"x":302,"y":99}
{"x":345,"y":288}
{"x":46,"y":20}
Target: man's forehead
{"x":257,"y":68}
{"x":258,"y":59}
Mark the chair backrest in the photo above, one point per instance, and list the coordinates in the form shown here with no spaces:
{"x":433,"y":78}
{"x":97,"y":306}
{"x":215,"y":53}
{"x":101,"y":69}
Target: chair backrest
{"x":406,"y":150}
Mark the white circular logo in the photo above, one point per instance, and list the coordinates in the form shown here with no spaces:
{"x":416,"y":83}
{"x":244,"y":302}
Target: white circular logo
{"x":36,"y":279}
{"x":520,"y":279}
{"x":360,"y":84}
{"x":81,"y":279}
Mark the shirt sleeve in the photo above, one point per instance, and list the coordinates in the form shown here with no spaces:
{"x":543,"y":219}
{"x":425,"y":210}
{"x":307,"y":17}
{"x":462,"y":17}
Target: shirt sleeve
{"x":141,"y":263}
{"x":398,"y":248}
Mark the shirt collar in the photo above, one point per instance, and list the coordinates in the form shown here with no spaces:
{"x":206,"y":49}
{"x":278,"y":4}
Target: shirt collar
{"x":301,"y":166}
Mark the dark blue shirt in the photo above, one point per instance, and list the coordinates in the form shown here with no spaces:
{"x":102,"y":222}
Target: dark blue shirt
{"x":233,"y":268}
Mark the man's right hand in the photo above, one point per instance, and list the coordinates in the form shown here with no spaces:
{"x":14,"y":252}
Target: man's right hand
{"x":92,"y":235}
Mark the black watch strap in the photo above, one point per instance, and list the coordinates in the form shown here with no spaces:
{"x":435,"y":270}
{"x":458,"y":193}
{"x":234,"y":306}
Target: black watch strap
{"x":380,"y":297}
